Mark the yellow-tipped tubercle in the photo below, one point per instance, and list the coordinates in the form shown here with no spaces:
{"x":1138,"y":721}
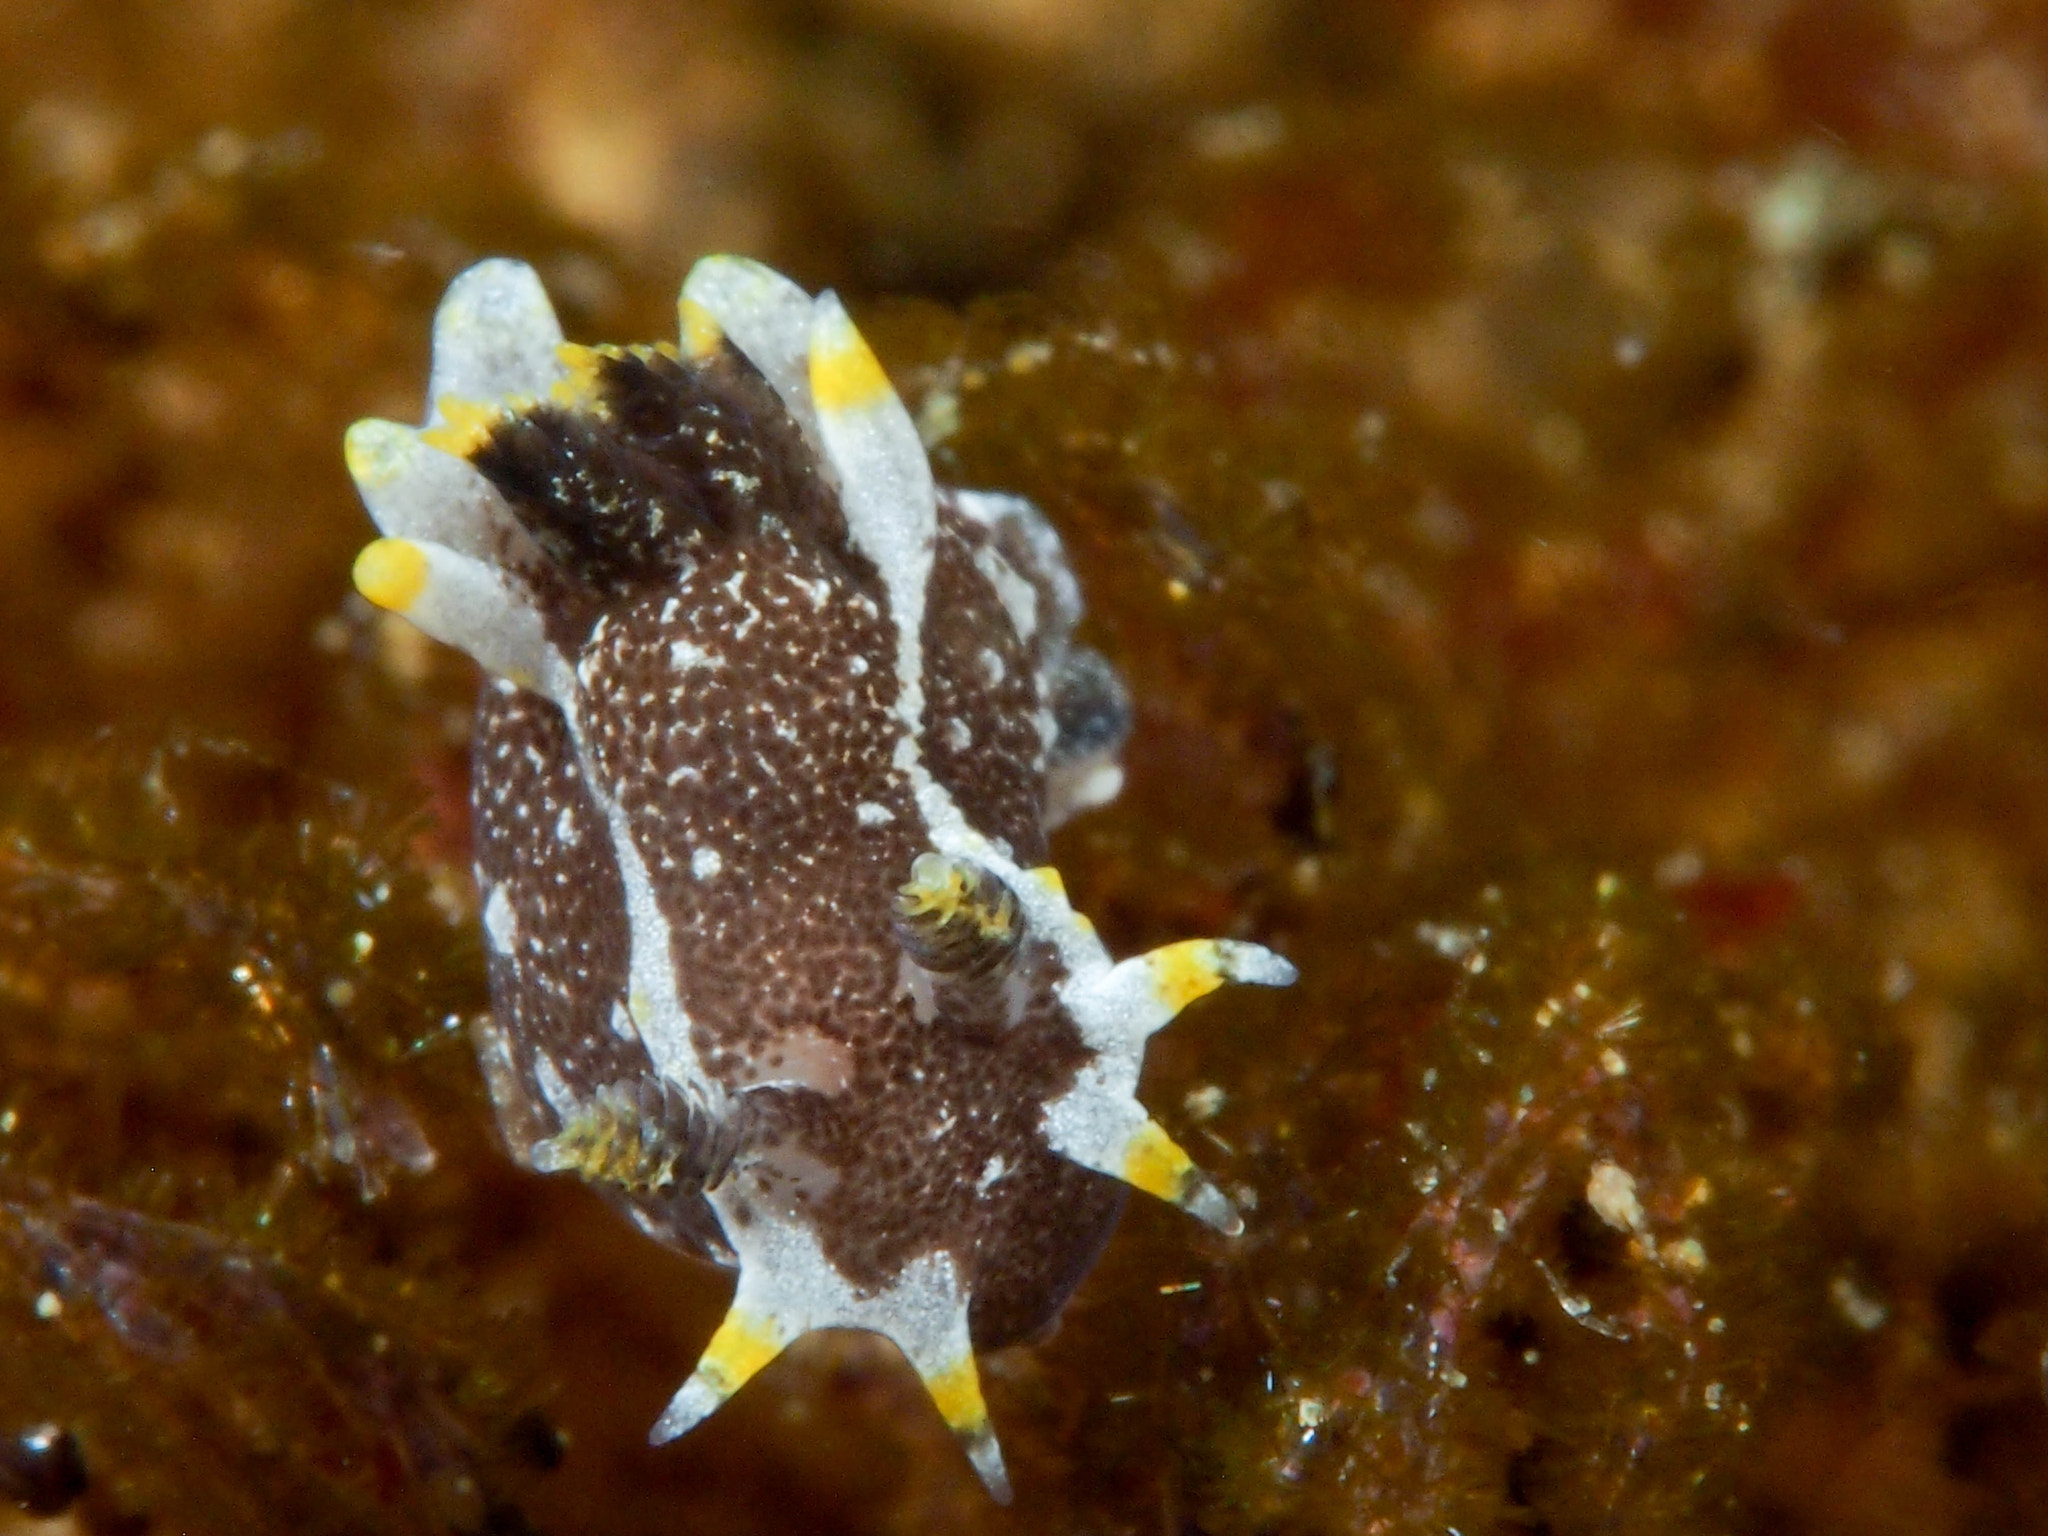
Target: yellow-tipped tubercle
{"x":844,"y":373}
{"x":1185,"y":971}
{"x":1154,"y":1163}
{"x":957,"y":1391}
{"x":739,"y":1349}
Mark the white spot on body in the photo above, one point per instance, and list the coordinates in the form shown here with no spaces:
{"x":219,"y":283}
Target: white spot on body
{"x":992,"y":1170}
{"x":501,"y":923}
{"x":688,"y":656}
{"x":958,"y":737}
{"x":992,"y":665}
{"x":1018,"y":597}
{"x":706,"y":863}
{"x":869,"y":814}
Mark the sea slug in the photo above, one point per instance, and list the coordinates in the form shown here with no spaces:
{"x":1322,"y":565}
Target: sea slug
{"x":773,"y":734}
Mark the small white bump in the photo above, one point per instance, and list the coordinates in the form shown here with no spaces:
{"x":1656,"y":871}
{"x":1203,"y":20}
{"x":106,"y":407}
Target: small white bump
{"x":622,"y":1022}
{"x":501,"y":923}
{"x":705,"y":863}
{"x":1018,"y":597}
{"x":688,"y":656}
{"x":869,"y":814}
{"x":958,"y":737}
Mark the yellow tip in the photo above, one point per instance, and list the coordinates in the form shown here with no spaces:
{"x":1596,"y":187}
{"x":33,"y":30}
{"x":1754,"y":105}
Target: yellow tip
{"x":578,"y":389}
{"x":392,"y":573}
{"x":1050,"y":879}
{"x":465,"y":426}
{"x":367,"y":448}
{"x":743,"y":1344}
{"x":1153,"y":1163}
{"x":957,"y":1391}
{"x":700,"y":328}
{"x":1185,"y":971}
{"x":844,"y":373}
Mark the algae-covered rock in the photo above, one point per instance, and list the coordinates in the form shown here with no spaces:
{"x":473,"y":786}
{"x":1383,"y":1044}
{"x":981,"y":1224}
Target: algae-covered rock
{"x":235,"y":1144}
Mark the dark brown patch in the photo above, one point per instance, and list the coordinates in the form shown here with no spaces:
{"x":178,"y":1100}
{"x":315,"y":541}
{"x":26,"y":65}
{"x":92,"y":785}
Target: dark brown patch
{"x":677,"y":455}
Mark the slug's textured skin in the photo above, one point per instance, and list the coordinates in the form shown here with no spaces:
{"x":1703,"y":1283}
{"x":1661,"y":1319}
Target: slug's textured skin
{"x":774,"y":733}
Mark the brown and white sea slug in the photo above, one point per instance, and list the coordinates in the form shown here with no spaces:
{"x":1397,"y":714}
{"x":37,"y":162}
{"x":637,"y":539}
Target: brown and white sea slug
{"x":773,"y":734}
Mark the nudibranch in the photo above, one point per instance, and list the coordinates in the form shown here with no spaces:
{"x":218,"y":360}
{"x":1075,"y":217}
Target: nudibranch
{"x":773,"y":733}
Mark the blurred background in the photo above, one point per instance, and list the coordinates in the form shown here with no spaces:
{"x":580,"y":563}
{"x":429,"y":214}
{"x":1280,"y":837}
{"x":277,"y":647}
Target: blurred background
{"x":1567,"y":481}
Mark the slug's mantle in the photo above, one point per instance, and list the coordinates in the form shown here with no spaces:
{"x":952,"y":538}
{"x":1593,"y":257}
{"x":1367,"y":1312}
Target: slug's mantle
{"x":773,"y":737}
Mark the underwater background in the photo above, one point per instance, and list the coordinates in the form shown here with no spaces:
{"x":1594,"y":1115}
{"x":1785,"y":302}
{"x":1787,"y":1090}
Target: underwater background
{"x":1567,"y":482}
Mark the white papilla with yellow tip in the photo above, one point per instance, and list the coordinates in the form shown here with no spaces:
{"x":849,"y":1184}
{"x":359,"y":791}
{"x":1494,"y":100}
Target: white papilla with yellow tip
{"x":460,"y":601}
{"x":788,"y":1288}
